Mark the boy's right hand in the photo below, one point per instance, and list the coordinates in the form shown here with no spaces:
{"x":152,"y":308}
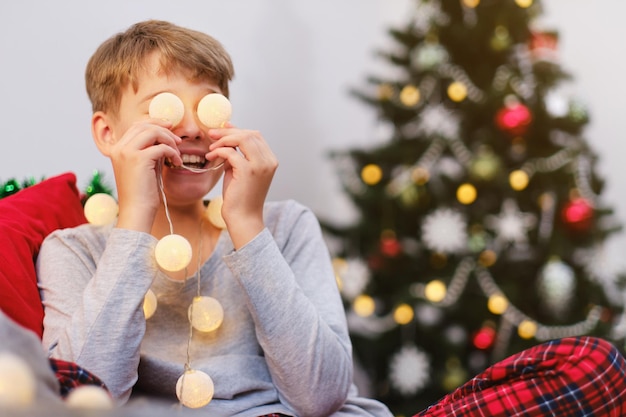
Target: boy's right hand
{"x":136,"y":159}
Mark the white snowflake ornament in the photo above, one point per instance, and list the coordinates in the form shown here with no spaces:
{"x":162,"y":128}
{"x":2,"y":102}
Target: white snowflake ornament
{"x":511,"y":225}
{"x":437,"y":120}
{"x":445,"y":230}
{"x":427,"y":14}
{"x":354,"y":278}
{"x":409,"y":370}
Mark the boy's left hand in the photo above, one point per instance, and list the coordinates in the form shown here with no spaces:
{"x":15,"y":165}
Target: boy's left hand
{"x":249,"y":168}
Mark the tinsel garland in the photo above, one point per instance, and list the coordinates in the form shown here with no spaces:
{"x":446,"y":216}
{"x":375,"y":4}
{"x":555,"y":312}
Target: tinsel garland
{"x":96,"y":185}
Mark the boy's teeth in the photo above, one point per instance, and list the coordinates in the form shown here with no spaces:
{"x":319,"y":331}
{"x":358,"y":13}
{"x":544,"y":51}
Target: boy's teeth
{"x":192,"y":159}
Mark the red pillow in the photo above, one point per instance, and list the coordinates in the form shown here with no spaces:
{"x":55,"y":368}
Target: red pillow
{"x":26,"y":218}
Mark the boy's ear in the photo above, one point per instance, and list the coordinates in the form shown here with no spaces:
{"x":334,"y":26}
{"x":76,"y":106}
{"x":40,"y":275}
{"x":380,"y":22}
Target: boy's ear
{"x":102,"y":132}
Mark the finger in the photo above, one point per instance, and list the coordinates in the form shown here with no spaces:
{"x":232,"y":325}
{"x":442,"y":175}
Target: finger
{"x":235,"y":138}
{"x":147,"y":134}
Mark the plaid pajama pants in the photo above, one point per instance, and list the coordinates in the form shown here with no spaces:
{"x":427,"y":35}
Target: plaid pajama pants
{"x":582,"y":376}
{"x":578,"y":376}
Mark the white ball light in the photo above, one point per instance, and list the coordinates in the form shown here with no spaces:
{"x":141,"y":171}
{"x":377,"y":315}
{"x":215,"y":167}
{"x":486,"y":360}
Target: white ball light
{"x":194,"y":389}
{"x":214,"y":212}
{"x":89,"y":397}
{"x":173,"y":253}
{"x":167,"y":106}
{"x":214,"y":110}
{"x":206,"y":314}
{"x":149,"y":304}
{"x":17,"y":382}
{"x":101,"y":209}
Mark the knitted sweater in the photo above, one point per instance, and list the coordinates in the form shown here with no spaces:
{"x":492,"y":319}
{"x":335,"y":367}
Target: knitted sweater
{"x":283,"y":346}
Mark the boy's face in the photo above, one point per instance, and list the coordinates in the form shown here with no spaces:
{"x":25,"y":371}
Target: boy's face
{"x":134,"y":108}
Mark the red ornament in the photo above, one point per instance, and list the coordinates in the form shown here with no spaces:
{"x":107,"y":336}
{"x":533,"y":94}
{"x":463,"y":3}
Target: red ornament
{"x":389,"y":246}
{"x":543,"y":46}
{"x":484,"y":338}
{"x":514,"y":119}
{"x":578,"y":214}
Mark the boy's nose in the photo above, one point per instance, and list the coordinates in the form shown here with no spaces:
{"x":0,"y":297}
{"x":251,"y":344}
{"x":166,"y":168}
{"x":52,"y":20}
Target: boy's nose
{"x":190,"y":126}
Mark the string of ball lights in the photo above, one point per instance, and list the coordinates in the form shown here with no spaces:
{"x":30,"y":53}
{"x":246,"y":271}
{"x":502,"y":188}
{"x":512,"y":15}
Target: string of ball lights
{"x":173,"y":252}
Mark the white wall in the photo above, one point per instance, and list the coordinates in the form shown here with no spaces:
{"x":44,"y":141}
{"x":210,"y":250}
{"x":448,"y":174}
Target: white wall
{"x":295,"y":61}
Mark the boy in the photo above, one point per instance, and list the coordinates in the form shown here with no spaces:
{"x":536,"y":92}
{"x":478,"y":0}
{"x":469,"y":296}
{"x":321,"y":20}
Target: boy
{"x":283,"y":346}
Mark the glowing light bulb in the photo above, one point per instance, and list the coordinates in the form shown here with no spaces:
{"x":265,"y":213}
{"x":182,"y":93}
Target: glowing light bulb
{"x":457,"y":91}
{"x":89,"y":397}
{"x":524,"y":3}
{"x":410,"y":95}
{"x":17,"y":382}
{"x":435,"y":291}
{"x":403,"y":314}
{"x":519,"y":180}
{"x":527,"y":329}
{"x":173,"y":253}
{"x":371,"y":174}
{"x":206,"y":314}
{"x":497,"y":304}
{"x":214,"y":212}
{"x":149,"y":304}
{"x":194,"y":389}
{"x":214,"y":110}
{"x":167,"y":106}
{"x":466,"y":194}
{"x":101,"y":209}
{"x":471,"y":3}
{"x":364,"y":305}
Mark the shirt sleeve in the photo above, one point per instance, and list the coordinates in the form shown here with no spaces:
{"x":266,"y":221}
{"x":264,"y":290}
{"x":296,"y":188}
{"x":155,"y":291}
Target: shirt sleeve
{"x":93,"y":300}
{"x":300,"y":323}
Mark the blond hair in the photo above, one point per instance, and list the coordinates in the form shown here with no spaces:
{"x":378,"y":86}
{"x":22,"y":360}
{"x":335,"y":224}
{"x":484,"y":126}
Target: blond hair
{"x":119,"y":61}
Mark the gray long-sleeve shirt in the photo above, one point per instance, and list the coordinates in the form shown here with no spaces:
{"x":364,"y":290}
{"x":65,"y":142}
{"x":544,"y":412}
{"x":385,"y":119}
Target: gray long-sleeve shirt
{"x":283,"y":346}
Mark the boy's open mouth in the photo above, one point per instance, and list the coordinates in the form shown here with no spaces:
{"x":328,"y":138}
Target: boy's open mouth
{"x":192,"y":161}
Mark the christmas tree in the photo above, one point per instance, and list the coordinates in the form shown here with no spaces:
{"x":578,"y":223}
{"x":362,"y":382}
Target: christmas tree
{"x":481,"y":225}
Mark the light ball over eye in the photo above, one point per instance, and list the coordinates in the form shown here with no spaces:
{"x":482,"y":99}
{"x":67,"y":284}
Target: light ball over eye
{"x":214,"y":110}
{"x":167,"y":106}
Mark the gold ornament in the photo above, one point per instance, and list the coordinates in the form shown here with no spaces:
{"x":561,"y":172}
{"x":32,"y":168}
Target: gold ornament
{"x":487,"y":258}
{"x":385,"y":92}
{"x":420,"y":175}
